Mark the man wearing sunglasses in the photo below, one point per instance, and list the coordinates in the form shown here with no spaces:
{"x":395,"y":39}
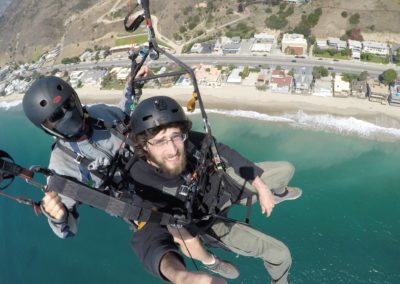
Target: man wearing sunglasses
{"x":175,"y":173}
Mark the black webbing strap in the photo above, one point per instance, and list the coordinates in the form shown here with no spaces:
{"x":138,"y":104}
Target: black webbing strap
{"x":80,"y":159}
{"x":109,"y":204}
{"x":118,"y":129}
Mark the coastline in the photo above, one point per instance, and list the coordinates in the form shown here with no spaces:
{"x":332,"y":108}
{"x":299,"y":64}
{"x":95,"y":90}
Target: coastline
{"x":246,"y":98}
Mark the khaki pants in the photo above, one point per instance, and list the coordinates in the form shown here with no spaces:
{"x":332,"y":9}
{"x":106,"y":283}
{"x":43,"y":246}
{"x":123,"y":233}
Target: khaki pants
{"x":246,"y":241}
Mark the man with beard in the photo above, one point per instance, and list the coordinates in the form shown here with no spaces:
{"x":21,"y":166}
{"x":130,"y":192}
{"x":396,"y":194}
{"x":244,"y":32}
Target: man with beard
{"x":166,"y":178}
{"x":85,"y":150}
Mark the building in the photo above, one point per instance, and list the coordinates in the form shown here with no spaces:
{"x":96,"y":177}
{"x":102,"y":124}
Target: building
{"x":294,"y":44}
{"x":337,"y":43}
{"x":394,"y":98}
{"x":121,"y":48}
{"x":235,"y":76}
{"x":280,"y":82}
{"x":377,"y":92}
{"x":93,"y":77}
{"x":323,"y":87}
{"x":341,"y":88}
{"x":321,"y":43}
{"x":359,"y":89}
{"x":207,"y":75}
{"x":376,"y":48}
{"x":356,"y":47}
{"x":302,"y":80}
{"x":232,"y":45}
{"x":196,"y":48}
{"x":75,"y":78}
{"x":123,"y":74}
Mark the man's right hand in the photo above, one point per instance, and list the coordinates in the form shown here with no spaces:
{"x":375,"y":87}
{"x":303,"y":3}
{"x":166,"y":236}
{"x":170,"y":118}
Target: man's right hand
{"x":51,"y":203}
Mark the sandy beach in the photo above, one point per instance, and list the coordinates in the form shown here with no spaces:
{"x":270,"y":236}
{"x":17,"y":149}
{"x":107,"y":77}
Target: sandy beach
{"x":231,"y":97}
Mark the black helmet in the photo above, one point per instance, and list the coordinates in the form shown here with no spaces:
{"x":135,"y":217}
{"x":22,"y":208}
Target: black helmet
{"x":53,"y":105}
{"x":154,"y":112}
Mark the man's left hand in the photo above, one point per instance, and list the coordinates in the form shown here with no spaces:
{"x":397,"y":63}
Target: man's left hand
{"x":265,"y":196}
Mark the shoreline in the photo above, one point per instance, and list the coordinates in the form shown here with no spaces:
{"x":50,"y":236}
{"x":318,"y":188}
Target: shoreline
{"x":246,"y":98}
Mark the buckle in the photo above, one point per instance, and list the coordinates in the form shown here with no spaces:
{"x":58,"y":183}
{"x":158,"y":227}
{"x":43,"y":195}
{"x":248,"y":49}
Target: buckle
{"x":184,"y":190}
{"x":79,"y":158}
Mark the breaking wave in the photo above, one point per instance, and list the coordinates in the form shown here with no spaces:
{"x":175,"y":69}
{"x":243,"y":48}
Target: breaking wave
{"x":320,"y":122}
{"x":8,"y":105}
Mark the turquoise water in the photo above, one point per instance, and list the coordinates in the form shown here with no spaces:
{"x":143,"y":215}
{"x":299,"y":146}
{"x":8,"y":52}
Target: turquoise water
{"x":345,"y":228}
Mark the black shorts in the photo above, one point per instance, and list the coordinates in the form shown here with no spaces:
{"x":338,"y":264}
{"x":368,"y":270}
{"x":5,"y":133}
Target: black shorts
{"x":150,"y":244}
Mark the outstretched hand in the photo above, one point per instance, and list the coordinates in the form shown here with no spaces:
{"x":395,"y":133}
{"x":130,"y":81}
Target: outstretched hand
{"x":265,"y":196}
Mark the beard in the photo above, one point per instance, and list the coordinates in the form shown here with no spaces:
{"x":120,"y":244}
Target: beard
{"x":167,"y":168}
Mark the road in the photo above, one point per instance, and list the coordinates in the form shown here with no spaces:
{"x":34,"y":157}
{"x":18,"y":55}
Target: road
{"x":356,"y":67}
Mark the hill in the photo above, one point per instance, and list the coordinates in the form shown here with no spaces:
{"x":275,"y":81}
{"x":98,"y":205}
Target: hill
{"x":30,"y":27}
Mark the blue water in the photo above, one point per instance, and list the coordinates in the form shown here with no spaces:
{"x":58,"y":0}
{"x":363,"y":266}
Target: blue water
{"x":345,"y":228}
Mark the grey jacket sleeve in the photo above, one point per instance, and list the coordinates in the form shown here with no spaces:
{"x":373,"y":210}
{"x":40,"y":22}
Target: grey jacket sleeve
{"x":68,"y":226}
{"x":126,"y":100}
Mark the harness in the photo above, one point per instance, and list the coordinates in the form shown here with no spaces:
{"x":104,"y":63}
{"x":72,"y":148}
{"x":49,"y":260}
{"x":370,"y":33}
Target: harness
{"x":200,"y":195}
{"x":119,"y":129}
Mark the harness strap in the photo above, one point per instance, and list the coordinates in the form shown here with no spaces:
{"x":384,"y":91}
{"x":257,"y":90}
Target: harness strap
{"x":109,"y":204}
{"x":79,"y":159}
{"x":118,"y":129}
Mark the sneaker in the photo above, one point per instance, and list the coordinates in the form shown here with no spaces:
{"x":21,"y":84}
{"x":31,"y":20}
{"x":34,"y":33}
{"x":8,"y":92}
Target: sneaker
{"x":291,"y":193}
{"x":223,"y":268}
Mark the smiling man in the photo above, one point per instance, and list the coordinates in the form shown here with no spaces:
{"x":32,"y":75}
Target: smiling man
{"x":166,"y":173}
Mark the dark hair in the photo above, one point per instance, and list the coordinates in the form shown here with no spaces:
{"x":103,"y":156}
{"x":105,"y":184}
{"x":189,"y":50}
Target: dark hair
{"x":140,"y":140}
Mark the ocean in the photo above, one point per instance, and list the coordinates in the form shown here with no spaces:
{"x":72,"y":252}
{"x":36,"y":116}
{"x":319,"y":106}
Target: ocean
{"x":344,"y":229}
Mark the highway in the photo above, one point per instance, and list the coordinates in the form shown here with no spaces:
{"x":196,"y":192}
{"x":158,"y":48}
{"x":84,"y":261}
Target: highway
{"x":348,"y":66}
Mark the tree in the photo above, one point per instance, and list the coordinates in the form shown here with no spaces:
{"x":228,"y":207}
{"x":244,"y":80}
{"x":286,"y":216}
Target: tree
{"x":354,"y":19}
{"x":388,"y":76}
{"x":182,"y":29}
{"x":363,"y":76}
{"x":344,"y":14}
{"x":275,"y":22}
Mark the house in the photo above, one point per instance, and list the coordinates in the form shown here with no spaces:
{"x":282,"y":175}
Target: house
{"x":341,"y":88}
{"x":123,"y":74}
{"x":265,"y":38}
{"x":377,"y":48}
{"x":323,"y":87}
{"x":394,"y":98}
{"x":207,"y":75}
{"x":121,"y":48}
{"x":280,"y":82}
{"x":294,"y":44}
{"x":359,"y":89}
{"x":377,"y":92}
{"x":336,"y":43}
{"x":355,"y":46}
{"x":93,"y":77}
{"x":261,"y":47}
{"x":196,"y":48}
{"x":86,"y":56}
{"x":232,"y":45}
{"x":235,"y":76}
{"x":75,"y":78}
{"x":321,"y":43}
{"x":302,"y":80}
